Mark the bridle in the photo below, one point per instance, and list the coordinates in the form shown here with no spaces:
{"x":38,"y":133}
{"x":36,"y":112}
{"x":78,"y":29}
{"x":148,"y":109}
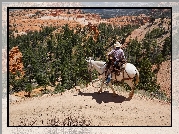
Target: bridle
{"x":90,"y":70}
{"x":90,"y":65}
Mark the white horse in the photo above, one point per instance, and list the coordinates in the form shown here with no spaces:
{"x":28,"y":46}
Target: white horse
{"x":127,"y":75}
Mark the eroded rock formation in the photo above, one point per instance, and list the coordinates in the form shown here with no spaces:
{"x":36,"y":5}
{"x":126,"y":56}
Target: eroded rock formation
{"x":15,"y":61}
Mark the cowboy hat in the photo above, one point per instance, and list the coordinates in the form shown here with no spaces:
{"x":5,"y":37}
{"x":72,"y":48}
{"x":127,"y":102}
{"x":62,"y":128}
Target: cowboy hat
{"x":117,"y":44}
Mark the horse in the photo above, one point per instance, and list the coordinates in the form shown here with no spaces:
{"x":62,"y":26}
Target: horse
{"x":130,"y":75}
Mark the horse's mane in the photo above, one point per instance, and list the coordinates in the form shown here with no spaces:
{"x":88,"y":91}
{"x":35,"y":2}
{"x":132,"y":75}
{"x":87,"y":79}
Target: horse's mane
{"x":100,"y":63}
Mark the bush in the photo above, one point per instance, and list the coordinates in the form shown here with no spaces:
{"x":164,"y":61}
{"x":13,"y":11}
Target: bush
{"x":59,"y":88}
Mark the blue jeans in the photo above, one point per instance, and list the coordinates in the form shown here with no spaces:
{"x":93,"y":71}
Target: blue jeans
{"x":108,"y":78}
{"x":115,"y":62}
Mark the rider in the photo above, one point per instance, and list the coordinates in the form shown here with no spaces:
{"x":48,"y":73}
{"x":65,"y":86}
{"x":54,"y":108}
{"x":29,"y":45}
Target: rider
{"x":118,"y":54}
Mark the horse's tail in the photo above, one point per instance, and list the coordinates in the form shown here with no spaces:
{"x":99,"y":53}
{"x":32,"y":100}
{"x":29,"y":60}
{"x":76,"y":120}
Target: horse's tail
{"x":137,"y":77}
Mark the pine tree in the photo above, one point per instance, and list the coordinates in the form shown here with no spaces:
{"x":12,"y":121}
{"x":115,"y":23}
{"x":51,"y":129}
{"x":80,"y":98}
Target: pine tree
{"x":147,"y":77}
{"x":166,"y":51}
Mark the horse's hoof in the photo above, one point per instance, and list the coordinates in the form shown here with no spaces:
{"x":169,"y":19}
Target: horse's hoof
{"x":128,"y":99}
{"x":130,"y":96}
{"x":99,"y":92}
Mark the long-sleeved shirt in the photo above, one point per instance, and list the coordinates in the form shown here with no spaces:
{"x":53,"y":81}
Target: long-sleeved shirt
{"x":118,"y":54}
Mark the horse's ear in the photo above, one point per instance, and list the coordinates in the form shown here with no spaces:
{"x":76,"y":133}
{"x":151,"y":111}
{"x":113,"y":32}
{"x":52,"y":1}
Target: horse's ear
{"x":86,"y":59}
{"x":91,"y":58}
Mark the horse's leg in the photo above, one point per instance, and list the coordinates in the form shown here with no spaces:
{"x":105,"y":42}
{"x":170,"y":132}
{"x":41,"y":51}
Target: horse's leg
{"x":131,"y":94}
{"x":102,"y":83}
{"x":110,"y":85}
{"x":130,"y":83}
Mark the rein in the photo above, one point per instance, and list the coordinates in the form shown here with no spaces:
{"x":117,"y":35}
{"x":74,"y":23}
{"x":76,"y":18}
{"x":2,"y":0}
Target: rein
{"x":100,"y":68}
{"x":127,"y":75}
{"x":123,"y":76}
{"x":102,"y":73}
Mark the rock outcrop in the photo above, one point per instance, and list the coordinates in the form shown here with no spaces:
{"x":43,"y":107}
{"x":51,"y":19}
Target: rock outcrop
{"x":15,"y":61}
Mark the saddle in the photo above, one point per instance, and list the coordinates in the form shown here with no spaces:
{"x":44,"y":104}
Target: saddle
{"x":118,"y":68}
{"x":120,"y":65}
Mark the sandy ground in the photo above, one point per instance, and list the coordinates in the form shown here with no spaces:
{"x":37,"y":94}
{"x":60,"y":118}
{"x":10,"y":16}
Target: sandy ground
{"x":88,"y":108}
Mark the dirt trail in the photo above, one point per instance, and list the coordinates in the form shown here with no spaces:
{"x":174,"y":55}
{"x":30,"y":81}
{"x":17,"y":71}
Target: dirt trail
{"x":88,"y":108}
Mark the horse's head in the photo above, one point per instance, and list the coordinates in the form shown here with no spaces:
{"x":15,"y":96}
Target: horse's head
{"x":90,"y":64}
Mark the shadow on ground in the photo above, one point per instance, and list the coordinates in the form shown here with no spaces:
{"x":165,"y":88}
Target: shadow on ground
{"x":105,"y":97}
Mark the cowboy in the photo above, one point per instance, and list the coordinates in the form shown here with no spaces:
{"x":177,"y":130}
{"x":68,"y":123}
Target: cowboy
{"x":118,"y":56}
